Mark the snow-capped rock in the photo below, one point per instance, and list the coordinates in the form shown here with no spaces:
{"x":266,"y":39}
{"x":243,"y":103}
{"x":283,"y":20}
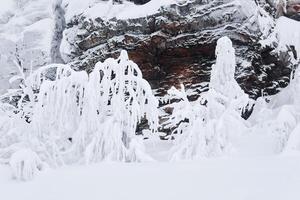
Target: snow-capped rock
{"x":174,"y":42}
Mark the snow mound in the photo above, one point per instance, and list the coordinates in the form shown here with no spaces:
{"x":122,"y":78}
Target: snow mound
{"x":25,"y":164}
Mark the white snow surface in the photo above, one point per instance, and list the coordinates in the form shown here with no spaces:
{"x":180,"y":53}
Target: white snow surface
{"x":107,"y":9}
{"x":227,"y":157}
{"x":260,"y":178}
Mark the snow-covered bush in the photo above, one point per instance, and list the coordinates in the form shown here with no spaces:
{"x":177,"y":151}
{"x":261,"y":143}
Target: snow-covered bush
{"x":224,"y":92}
{"x":209,"y":127}
{"x":189,"y":119}
{"x":25,"y":164}
{"x":281,"y":116}
{"x":66,"y":116}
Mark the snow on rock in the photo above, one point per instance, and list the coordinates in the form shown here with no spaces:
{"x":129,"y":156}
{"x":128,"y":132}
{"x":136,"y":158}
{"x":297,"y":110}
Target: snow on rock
{"x":26,"y":33}
{"x":290,"y":8}
{"x":109,"y":9}
{"x":285,"y":36}
{"x":6,"y":10}
{"x":287,"y":32}
{"x":184,"y":32}
{"x":280,"y":117}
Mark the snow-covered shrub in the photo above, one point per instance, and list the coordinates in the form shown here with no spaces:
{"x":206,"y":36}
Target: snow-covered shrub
{"x":209,"y":128}
{"x":281,"y":116}
{"x":75,"y":117}
{"x":224,"y":92}
{"x":189,"y":119}
{"x":25,"y":164}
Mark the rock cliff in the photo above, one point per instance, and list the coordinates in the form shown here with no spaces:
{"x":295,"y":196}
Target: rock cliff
{"x":177,"y":43}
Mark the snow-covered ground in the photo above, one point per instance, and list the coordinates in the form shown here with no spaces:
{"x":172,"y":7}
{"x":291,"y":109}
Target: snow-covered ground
{"x":239,"y":177}
{"x":228,"y":158}
{"x":259,"y":178}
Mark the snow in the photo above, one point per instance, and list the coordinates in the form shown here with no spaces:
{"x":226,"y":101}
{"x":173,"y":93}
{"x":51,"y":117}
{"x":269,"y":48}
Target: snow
{"x":25,"y":164}
{"x":210,"y":129}
{"x":280,"y":118}
{"x":80,"y":118}
{"x":288,"y":33}
{"x":26,"y":31}
{"x":108,"y":10}
{"x":5,"y":9}
{"x":260,"y":178}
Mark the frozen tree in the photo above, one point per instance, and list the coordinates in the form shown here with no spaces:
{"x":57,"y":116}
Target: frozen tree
{"x":210,"y":127}
{"x":280,"y":117}
{"x":76,"y":117}
{"x":189,"y":119}
{"x":224,"y":92}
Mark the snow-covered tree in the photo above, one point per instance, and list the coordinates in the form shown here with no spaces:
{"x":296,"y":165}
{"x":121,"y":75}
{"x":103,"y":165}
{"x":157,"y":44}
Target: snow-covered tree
{"x":75,"y":117}
{"x":189,"y":118}
{"x":280,"y":117}
{"x":210,"y":127}
{"x":224,"y":92}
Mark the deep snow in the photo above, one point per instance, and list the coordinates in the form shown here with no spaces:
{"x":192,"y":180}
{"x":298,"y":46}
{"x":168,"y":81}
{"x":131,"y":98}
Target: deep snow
{"x":258,"y":167}
{"x":259,"y":178}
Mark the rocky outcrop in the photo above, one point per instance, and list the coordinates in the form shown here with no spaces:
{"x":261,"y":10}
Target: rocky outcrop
{"x":177,"y":45}
{"x":289,"y":8}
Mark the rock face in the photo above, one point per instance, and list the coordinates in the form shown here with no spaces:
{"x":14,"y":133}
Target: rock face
{"x":174,"y":44}
{"x":290,"y":8}
{"x":177,"y":45}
